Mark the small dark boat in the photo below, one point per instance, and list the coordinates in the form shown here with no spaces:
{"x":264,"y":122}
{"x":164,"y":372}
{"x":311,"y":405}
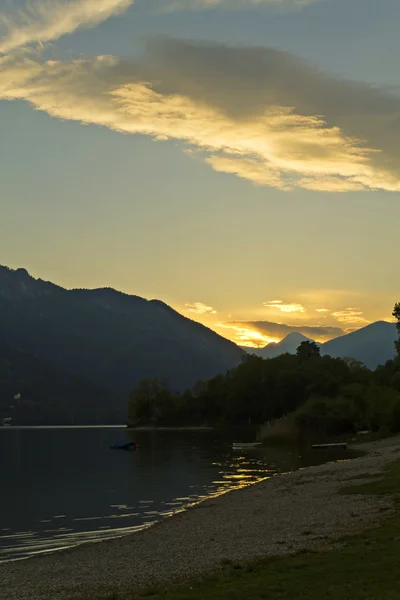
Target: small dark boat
{"x":124,"y":446}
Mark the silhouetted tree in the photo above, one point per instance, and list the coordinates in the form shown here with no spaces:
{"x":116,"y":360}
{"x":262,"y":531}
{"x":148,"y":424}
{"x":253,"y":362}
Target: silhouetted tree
{"x":308,"y":350}
{"x":149,"y":401}
{"x":396,"y":314}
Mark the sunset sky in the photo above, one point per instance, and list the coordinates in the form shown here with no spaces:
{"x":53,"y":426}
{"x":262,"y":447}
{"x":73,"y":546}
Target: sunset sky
{"x":238,"y":159}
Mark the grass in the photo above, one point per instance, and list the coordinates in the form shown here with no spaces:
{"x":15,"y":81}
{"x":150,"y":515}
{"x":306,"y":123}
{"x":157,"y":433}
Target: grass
{"x":361,"y":567}
{"x":386,"y":485}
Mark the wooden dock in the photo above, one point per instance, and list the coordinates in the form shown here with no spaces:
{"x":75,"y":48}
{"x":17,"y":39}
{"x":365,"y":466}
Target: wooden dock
{"x":327,"y":446}
{"x":240,"y":445}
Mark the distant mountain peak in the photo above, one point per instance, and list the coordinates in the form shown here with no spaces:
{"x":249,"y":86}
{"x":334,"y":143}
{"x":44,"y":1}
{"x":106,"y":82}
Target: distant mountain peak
{"x":373,"y":344}
{"x":288,"y":344}
{"x":378,"y":324}
{"x":19,"y":282}
{"x":294,"y":336}
{"x":292,"y":341}
{"x":19,"y":272}
{"x":23,"y":273}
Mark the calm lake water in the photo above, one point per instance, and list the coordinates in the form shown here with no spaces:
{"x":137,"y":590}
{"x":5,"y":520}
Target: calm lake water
{"x":63,"y":486}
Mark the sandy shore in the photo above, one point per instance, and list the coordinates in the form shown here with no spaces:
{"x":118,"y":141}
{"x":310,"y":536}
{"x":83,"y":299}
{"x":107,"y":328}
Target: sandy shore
{"x":277,"y":516}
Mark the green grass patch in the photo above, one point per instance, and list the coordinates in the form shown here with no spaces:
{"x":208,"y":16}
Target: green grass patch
{"x":360,"y":567}
{"x":388,"y":484}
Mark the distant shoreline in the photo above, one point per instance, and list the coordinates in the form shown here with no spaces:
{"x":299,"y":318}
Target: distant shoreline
{"x":185,"y":428}
{"x":107,"y":426}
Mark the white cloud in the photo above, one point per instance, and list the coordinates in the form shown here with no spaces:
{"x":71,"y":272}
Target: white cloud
{"x":199,"y":308}
{"x":252,"y":112}
{"x":291,"y":307}
{"x":322,"y":310}
{"x":46,"y":20}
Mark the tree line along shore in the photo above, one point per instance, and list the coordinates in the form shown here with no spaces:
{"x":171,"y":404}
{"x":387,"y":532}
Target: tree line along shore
{"x":303,"y":395}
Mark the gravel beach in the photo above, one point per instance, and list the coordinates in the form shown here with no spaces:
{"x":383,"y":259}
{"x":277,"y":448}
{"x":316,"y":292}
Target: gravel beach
{"x":277,"y":516}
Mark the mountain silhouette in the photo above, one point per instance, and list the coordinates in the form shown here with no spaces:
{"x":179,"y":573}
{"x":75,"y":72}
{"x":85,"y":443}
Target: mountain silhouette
{"x":373,"y":345}
{"x":288,"y":344}
{"x":33,"y":391}
{"x":110,"y":338}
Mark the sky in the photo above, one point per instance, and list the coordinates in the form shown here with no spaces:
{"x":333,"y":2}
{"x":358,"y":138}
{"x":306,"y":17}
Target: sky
{"x":237,"y":159}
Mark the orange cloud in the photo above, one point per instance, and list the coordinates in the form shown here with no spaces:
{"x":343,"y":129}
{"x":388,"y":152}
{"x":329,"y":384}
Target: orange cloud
{"x":271,"y":135}
{"x":292,"y":307}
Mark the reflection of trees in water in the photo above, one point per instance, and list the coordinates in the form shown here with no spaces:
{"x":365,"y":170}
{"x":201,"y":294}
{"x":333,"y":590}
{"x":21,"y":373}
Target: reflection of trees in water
{"x":10,"y":450}
{"x":183,"y":455}
{"x":203,"y":454}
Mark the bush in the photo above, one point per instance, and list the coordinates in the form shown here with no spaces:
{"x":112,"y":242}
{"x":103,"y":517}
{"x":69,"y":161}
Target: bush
{"x":383,"y":408}
{"x":328,"y":415}
{"x":376,"y":408}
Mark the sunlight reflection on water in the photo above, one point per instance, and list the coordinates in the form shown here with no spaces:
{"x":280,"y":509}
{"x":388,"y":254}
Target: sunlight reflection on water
{"x":81,"y":490}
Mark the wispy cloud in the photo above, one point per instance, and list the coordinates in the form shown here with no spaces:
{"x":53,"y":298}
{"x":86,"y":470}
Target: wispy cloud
{"x":321,"y":310}
{"x":292,"y":307}
{"x":253,"y":112}
{"x":199,"y":308}
{"x":351,"y":316}
{"x":46,"y":20}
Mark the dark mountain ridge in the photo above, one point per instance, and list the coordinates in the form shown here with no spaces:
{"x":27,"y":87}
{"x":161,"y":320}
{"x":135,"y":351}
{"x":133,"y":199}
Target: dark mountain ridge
{"x":373,"y":344}
{"x":110,"y":338}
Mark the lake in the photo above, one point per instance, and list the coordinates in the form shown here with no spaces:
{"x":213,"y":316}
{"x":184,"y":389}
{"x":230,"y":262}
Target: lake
{"x":63,"y":486}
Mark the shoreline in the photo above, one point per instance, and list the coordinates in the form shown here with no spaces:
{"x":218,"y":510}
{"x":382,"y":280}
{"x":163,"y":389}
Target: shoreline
{"x":279,"y":515}
{"x":183,"y":428}
{"x":122,"y":427}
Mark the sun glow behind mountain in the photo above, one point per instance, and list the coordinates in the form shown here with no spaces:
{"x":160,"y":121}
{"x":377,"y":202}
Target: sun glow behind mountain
{"x":320,"y":315}
{"x":245,"y":336}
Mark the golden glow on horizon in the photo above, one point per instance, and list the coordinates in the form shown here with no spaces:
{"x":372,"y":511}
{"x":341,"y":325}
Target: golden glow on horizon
{"x":245,"y":336}
{"x":320,"y":315}
{"x":252,"y":338}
